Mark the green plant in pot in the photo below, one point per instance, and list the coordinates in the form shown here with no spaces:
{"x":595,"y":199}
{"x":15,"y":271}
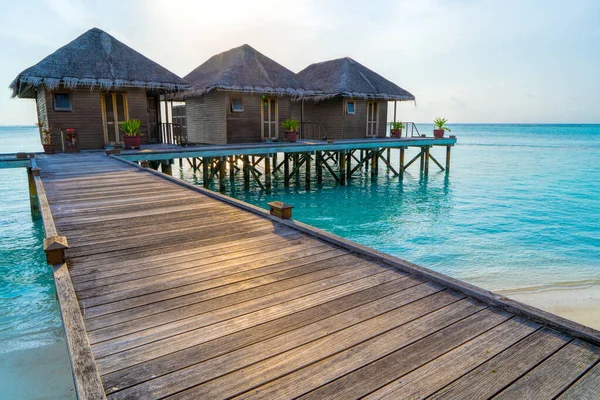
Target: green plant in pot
{"x":440,"y":127}
{"x":290,"y":126}
{"x":132,"y":135}
{"x":396,"y":129}
{"x":47,"y":141}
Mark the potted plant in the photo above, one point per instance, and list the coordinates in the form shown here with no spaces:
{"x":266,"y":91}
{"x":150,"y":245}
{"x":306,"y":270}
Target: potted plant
{"x":290,"y":126}
{"x":131,"y":128}
{"x":396,"y":129}
{"x":439,"y":127}
{"x":47,"y":141}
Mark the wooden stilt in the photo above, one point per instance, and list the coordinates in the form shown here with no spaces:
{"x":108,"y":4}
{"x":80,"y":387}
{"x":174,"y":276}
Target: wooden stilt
{"x":349,"y":164}
{"x":308,"y":171}
{"x":205,"y":178}
{"x":246,"y":168}
{"x":194,"y":165}
{"x":426,"y":167}
{"x":231,"y":168}
{"x":422,"y":154}
{"x":296,"y":163}
{"x":181,"y":163}
{"x":221,"y":174}
{"x":268,"y":173}
{"x":166,"y":167}
{"x":274,"y":162}
{"x":319,"y":166}
{"x":448,"y":159}
{"x":286,"y":168}
{"x":342,"y":161}
{"x":374,"y":157}
{"x":389,"y":156}
{"x":401,"y":171}
{"x":33,"y":196}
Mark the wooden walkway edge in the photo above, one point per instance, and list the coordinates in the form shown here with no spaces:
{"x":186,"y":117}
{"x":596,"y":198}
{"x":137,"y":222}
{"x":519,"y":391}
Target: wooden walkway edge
{"x":169,"y":290}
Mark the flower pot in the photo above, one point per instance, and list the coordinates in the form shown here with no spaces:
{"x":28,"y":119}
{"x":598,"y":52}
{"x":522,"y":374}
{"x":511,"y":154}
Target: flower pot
{"x":291,"y":136}
{"x":397,"y":133}
{"x":48,"y":148}
{"x":438,"y":133}
{"x":132,"y":142}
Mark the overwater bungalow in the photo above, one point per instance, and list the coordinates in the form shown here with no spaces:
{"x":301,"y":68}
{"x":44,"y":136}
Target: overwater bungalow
{"x":240,"y":96}
{"x":350,"y":101}
{"x":94,"y":83}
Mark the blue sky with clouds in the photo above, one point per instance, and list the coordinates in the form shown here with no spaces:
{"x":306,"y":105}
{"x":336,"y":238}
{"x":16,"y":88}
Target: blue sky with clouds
{"x":467,"y":60}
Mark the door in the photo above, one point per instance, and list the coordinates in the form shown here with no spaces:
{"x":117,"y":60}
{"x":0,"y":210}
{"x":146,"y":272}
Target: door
{"x":372,"y":118}
{"x":268,"y":115}
{"x":152,"y":119}
{"x":114,"y":110}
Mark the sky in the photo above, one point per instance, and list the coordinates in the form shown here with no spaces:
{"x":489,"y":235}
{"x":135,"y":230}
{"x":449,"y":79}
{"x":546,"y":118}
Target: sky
{"x":477,"y":61}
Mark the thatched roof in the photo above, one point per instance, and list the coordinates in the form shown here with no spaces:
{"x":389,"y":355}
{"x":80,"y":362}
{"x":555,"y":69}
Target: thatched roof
{"x":96,"y":60}
{"x":242,"y":69}
{"x":348,"y":78}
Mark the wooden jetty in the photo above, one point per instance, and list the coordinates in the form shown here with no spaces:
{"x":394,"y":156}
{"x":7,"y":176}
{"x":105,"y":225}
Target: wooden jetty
{"x":258,"y":162}
{"x":172,"y":291}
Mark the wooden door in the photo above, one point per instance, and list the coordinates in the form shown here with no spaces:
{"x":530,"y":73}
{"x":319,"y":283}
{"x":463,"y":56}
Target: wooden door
{"x":372,"y":118}
{"x":114,"y":110}
{"x":269,"y":118}
{"x":152,"y":119}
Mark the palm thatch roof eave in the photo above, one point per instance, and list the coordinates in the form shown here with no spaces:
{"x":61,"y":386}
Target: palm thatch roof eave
{"x":96,"y":60}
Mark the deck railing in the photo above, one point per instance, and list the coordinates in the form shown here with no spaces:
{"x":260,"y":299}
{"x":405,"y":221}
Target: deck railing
{"x":173,"y":134}
{"x":410,"y":129}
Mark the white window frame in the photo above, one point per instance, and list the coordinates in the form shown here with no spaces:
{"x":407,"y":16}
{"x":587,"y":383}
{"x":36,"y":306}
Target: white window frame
{"x":353,"y":107}
{"x":233,"y":109}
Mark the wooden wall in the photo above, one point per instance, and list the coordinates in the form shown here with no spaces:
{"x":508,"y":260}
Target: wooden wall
{"x":207,"y":118}
{"x":243,"y":127}
{"x":337,"y":124}
{"x":86,"y":116}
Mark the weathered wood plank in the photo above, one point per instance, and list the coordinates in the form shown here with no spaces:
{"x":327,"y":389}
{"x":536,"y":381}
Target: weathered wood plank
{"x":555,"y":374}
{"x":587,"y":387}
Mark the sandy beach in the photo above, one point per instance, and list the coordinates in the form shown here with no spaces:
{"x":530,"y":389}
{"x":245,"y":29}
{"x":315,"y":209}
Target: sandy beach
{"x":580,"y":304}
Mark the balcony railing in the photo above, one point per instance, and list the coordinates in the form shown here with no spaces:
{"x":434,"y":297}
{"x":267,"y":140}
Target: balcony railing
{"x":173,"y":134}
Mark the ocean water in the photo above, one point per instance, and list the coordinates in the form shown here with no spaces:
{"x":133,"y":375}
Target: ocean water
{"x":519,"y":210}
{"x":34,"y":361}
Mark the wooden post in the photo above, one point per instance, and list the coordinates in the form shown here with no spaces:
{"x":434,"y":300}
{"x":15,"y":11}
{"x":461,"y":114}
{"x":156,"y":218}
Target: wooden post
{"x":448,"y":159}
{"x":319,"y":166}
{"x":194,"y":165}
{"x":268,"y":173}
{"x":246,"y":168}
{"x":308,"y":171}
{"x":231,"y":169}
{"x":349,"y":164}
{"x":205,"y":178}
{"x":426,"y":168}
{"x":286,"y":168}
{"x":395,"y":105}
{"x":374,"y":156}
{"x":221,"y":174}
{"x":33,"y":196}
{"x":274,"y":160}
{"x":55,"y":247}
{"x":342,"y":161}
{"x":422,"y":154}
{"x":296,"y":163}
{"x":389,"y":157}
{"x":401,"y":170}
{"x":166,"y":167}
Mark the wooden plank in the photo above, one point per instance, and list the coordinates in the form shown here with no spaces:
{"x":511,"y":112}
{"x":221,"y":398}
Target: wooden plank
{"x":396,"y":335}
{"x":157,"y":349}
{"x":87,"y":380}
{"x":225,"y":344}
{"x":210,"y":368}
{"x":431,"y":377}
{"x":555,"y":374}
{"x":587,"y":387}
{"x":263,"y":304}
{"x":494,"y":375}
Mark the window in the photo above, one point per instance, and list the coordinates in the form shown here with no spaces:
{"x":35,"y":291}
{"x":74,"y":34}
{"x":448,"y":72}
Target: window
{"x":350,"y":107}
{"x":62,"y":102}
{"x":236,"y":105}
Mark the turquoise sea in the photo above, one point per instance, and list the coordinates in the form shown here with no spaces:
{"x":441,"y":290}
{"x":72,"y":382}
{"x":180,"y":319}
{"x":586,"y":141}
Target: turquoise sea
{"x":34,"y":362}
{"x":520,"y":209}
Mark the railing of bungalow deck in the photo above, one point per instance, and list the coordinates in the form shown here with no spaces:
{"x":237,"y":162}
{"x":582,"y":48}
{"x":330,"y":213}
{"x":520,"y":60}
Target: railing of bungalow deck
{"x":172,"y":134}
{"x":408,"y":127}
{"x":312,"y":131}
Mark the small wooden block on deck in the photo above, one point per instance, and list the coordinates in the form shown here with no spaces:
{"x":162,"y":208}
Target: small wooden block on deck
{"x":280,"y":209}
{"x":55,"y":247}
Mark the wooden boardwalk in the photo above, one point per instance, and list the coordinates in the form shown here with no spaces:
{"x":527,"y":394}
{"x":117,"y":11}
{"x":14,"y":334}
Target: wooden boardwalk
{"x":187,"y":296}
